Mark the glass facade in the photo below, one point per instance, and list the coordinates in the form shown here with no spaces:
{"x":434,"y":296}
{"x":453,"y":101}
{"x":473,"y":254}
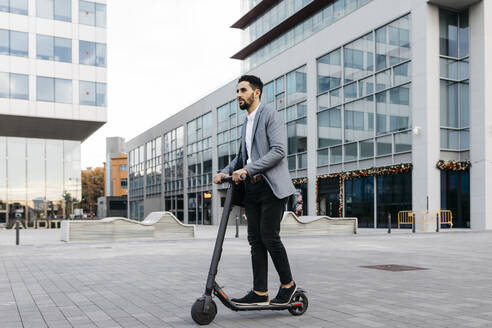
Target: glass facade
{"x":92,"y":13}
{"x":364,"y":100}
{"x":329,"y":197}
{"x":359,"y":200}
{"x":454,"y":82}
{"x":230,"y":120}
{"x":287,"y":94}
{"x":14,"y":86}
{"x":200,"y":208}
{"x":199,"y":154}
{"x":394,"y":194}
{"x":136,"y":178}
{"x":334,"y":11}
{"x":199,"y":159}
{"x":92,"y":53}
{"x":92,"y":93}
{"x":54,"y":48}
{"x":19,"y":7}
{"x":153,"y":185}
{"x":54,"y":90}
{"x":173,"y":172}
{"x":14,"y":43}
{"x":455,"y":196}
{"x":54,"y":9}
{"x":272,"y":17}
{"x":39,"y":178}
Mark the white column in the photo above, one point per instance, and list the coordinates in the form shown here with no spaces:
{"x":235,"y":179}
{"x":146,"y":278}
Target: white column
{"x":426,"y":112}
{"x":481,"y":115}
{"x":312,"y":135}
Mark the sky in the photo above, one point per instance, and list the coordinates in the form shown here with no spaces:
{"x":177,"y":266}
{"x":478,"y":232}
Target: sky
{"x":163,"y":55}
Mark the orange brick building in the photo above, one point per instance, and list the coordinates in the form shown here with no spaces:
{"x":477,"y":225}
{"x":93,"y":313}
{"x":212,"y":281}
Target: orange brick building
{"x":119,"y":175}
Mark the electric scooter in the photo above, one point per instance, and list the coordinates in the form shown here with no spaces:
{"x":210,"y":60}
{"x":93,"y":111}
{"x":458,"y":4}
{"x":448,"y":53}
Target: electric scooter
{"x":204,"y":309}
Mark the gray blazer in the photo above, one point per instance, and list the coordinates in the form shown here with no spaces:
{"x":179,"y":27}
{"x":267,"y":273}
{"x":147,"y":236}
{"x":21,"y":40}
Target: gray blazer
{"x":268,"y":152}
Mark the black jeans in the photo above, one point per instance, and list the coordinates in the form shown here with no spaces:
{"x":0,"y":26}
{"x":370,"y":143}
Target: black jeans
{"x":264,"y":212}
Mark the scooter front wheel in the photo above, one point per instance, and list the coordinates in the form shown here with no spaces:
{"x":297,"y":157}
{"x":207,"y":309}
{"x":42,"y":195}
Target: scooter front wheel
{"x":299,"y":304}
{"x":200,"y":317}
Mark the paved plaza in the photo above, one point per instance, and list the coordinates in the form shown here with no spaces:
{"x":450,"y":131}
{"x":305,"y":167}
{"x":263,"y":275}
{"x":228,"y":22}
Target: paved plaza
{"x":46,"y":283}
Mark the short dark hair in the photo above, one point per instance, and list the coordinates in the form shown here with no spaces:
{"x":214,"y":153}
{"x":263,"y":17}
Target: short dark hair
{"x":254,"y":81}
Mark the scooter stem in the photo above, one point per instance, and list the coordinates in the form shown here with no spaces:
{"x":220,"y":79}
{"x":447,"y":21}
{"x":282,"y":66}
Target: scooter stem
{"x":218,"y":246}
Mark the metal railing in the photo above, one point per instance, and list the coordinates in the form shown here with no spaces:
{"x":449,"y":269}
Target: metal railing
{"x":438,"y":217}
{"x":405,"y":217}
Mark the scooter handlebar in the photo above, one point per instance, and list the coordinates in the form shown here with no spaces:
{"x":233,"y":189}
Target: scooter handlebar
{"x":229,"y":178}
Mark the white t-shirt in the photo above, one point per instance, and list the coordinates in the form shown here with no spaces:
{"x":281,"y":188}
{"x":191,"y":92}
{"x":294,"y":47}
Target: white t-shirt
{"x":249,"y":132}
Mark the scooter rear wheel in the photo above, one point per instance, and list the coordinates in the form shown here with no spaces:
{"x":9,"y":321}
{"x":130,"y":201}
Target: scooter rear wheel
{"x":299,"y":297}
{"x":200,"y":317}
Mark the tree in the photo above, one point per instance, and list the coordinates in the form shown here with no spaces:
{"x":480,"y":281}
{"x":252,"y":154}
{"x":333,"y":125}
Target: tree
{"x":69,"y":200}
{"x":92,"y":188}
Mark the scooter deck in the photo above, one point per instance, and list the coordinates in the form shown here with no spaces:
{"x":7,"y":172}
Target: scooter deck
{"x":235,"y":307}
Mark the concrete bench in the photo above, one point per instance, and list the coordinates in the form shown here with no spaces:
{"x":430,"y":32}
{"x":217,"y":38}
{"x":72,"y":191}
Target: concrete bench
{"x":156,"y":226}
{"x":316,"y":225}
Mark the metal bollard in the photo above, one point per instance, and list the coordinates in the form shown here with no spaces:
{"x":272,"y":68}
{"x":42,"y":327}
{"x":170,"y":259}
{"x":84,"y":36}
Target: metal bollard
{"x":413,"y":223}
{"x":438,"y":222}
{"x":389,"y":222}
{"x":17,"y":231}
{"x":237,"y":226}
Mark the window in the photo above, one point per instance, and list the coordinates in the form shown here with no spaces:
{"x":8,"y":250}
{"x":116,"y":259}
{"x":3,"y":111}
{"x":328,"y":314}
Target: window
{"x":91,"y":53}
{"x":454,"y":73}
{"x":296,"y":85}
{"x":91,"y":13}
{"x":297,"y":136}
{"x":373,"y":100}
{"x":54,"y":9}
{"x":393,"y":43}
{"x":4,"y":42}
{"x":87,"y":13}
{"x":54,"y":48}
{"x":329,"y":128}
{"x":14,"y":86}
{"x":100,"y":15}
{"x":54,"y":90}
{"x":329,"y":71}
{"x":100,"y":55}
{"x":358,"y":58}
{"x":123,"y":167}
{"x":268,"y":93}
{"x":393,"y":110}
{"x":92,"y":93}
{"x":332,"y":11}
{"x":359,"y":119}
{"x":124,"y":183}
{"x":14,"y":43}
{"x":101,"y":99}
{"x":199,"y":147}
{"x":173,"y":161}
{"x":19,"y":7}
{"x":230,"y":121}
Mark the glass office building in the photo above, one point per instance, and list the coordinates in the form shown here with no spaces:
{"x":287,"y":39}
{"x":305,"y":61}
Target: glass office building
{"x":52,"y":97}
{"x":384,"y":102}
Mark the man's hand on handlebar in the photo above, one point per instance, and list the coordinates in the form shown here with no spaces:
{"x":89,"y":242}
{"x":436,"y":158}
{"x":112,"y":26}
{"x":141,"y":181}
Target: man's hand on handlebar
{"x":239,"y":175}
{"x":218,"y":178}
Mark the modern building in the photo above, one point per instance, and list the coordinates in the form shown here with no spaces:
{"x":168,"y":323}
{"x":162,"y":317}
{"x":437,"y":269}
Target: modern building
{"x":52,"y":97}
{"x":385,"y":105}
{"x":115,"y":201}
{"x":116,"y":167}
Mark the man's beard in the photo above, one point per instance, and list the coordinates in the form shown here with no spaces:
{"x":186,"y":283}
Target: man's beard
{"x":247,"y":103}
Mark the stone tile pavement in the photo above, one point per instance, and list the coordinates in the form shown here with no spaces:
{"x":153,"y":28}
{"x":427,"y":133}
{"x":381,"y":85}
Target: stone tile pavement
{"x":150,"y":284}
